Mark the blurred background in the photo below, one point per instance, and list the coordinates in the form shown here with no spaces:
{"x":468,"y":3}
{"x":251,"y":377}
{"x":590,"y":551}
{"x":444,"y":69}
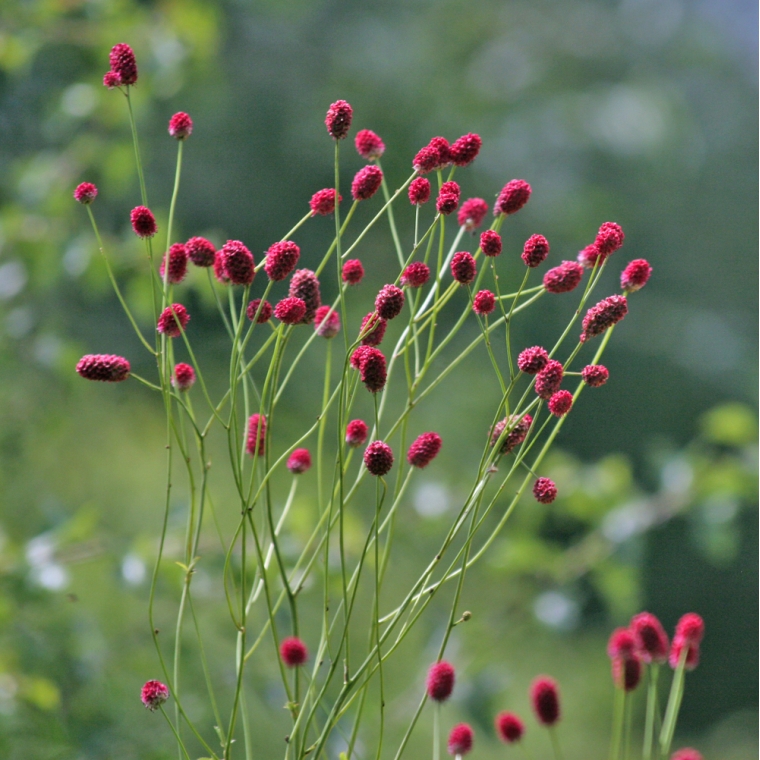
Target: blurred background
{"x":639,"y":111}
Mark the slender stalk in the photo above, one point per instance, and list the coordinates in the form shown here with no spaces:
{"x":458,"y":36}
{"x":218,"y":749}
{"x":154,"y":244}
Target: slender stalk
{"x":653,"y":671}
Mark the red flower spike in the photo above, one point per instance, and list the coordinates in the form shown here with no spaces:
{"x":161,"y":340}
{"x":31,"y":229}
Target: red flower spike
{"x":177,"y":264}
{"x":443,"y":150}
{"x":484,"y":302}
{"x":692,"y":654}
{"x":490,"y":243}
{"x":105,"y":368}
{"x":375,"y":336}
{"x":561,"y":403}
{"x":532,"y":360}
{"x":238,"y":263}
{"x":143,"y":222}
{"x":544,"y":694}
{"x":373,"y":369}
{"x":369,"y":145}
{"x":173,"y":320}
{"x":357,"y":355}
{"x":353,"y":272}
{"x":465,"y":150}
{"x":123,"y":63}
{"x":609,"y":239}
{"x":281,"y":260}
{"x":606,"y":313}
{"x":690,"y":628}
{"x":180,"y":126}
{"x":518,"y":430}
{"x":448,"y":198}
{"x":460,"y":740}
{"x":513,"y":197}
{"x":326,"y":322}
{"x":257,"y":434}
{"x":323,"y":202}
{"x":595,"y":375}
{"x":154,"y":694}
{"x":389,"y":302}
{"x":652,"y":643}
{"x":366,"y":182}
{"x":338,"y":119}
{"x":299,"y":461}
{"x":378,"y":458}
{"x":626,"y":672}
{"x":536,"y":249}
{"x":463,"y":268}
{"x":111,"y":80}
{"x":184,"y":377}
{"x":219,"y":271}
{"x":290,"y":311}
{"x":549,"y":379}
{"x":472,"y":213}
{"x":200,"y":251}
{"x":589,"y":255}
{"x":305,"y":285}
{"x":545,"y":490}
{"x":356,"y":433}
{"x":265,"y":314}
{"x":419,"y":191}
{"x":424,"y":450}
{"x":440,"y":681}
{"x":509,"y":727}
{"x":635,"y":275}
{"x":415,"y":275}
{"x":292,"y":650}
{"x":687,"y":753}
{"x":426,"y":160}
{"x":85,"y":193}
{"x":564,"y":278}
{"x":622,"y":643}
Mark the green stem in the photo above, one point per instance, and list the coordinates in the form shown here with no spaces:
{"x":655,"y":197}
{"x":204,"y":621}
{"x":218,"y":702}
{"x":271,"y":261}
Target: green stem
{"x":653,"y":671}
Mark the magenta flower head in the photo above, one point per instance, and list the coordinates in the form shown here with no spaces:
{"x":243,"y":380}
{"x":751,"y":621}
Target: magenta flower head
{"x":513,"y":197}
{"x":424,"y":450}
{"x":85,"y":193}
{"x":323,"y":202}
{"x":595,"y":375}
{"x":435,"y":155}
{"x":460,"y":740}
{"x":265,"y":312}
{"x":440,"y":681}
{"x":652,"y":642}
{"x":626,"y":672}
{"x":369,"y":145}
{"x":687,"y":753}
{"x":606,"y":313}
{"x":545,"y":491}
{"x":517,"y":428}
{"x":589,"y":256}
{"x":353,"y":272}
{"x":200,"y":251}
{"x":564,"y":278}
{"x":536,"y":249}
{"x":106,"y":368}
{"x":373,"y":369}
{"x":676,"y":650}
{"x":123,"y":63}
{"x":463,"y":268}
{"x":219,"y":271}
{"x":238,"y":262}
{"x":442,"y":148}
{"x":532,"y":360}
{"x":356,"y":433}
{"x":173,"y":320}
{"x":609,"y":239}
{"x":180,"y":126}
{"x":389,"y":301}
{"x":378,"y":458}
{"x":465,"y":150}
{"x":419,"y":191}
{"x":154,"y":694}
{"x":690,"y":628}
{"x":338,"y":119}
{"x":111,"y":80}
{"x":292,"y":650}
{"x":544,"y":694}
{"x":143,"y":222}
{"x":290,"y":311}
{"x":184,"y":377}
{"x":635,"y":275}
{"x":326,"y":322}
{"x":305,"y":285}
{"x":549,"y":379}
{"x":375,"y":336}
{"x":448,"y":198}
{"x":622,"y":643}
{"x":281,"y":260}
{"x":415,"y":275}
{"x":299,"y":461}
{"x":509,"y":727}
{"x":490,"y":243}
{"x":561,"y":403}
{"x":484,"y":302}
{"x":177,"y":264}
{"x":366,"y":182}
{"x":472,"y":213}
{"x":257,"y":434}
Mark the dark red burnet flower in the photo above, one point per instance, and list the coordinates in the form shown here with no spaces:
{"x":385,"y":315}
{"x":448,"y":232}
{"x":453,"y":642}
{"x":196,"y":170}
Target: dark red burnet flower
{"x":419,"y":191}
{"x":338,"y":119}
{"x":375,"y":336}
{"x":509,"y":727}
{"x":472,"y":213}
{"x":352,"y":272}
{"x":177,"y":264}
{"x":299,"y":461}
{"x":435,"y":155}
{"x":532,"y":360}
{"x":626,"y":672}
{"x":143,"y":222}
{"x":111,"y":80}
{"x":677,"y":648}
{"x":305,"y":285}
{"x":200,"y":251}
{"x":173,"y":320}
{"x":415,"y":275}
{"x":369,"y":145}
{"x":652,"y":642}
{"x":257,"y":435}
{"x":440,"y":681}
{"x":184,"y":377}
{"x":545,"y":490}
{"x":544,"y":695}
{"x":460,"y":740}
{"x":356,"y":357}
{"x":326,"y":322}
{"x":292,"y":650}
{"x":687,"y":753}
{"x":465,"y":149}
{"x":265,"y":313}
{"x":281,"y":259}
{"x":484,"y":302}
{"x":123,"y":63}
{"x":635,"y":275}
{"x":490,"y":243}
{"x":535,"y":250}
{"x":595,"y":375}
{"x":609,"y":311}
{"x":609,"y":239}
{"x":356,"y":433}
{"x":378,"y":458}
{"x":589,"y":256}
{"x":290,"y":311}
{"x":424,"y":450}
{"x":238,"y":262}
{"x":85,"y":193}
{"x":622,"y":643}
{"x":549,"y":379}
{"x":106,"y":368}
{"x":389,"y":301}
{"x":180,"y":126}
{"x":154,"y":694}
{"x":513,"y":196}
{"x":219,"y":271}
{"x":463,"y":268}
{"x":564,"y":278}
{"x":561,"y":403}
{"x":366,"y":182}
{"x":690,"y":628}
{"x":448,"y":198}
{"x":517,"y":427}
{"x":323,"y":202}
{"x":373,"y":369}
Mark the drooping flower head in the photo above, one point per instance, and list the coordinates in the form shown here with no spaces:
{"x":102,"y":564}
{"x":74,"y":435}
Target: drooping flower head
{"x":200,"y":251}
{"x":490,"y":243}
{"x":105,"y":368}
{"x":561,"y":403}
{"x":257,"y":434}
{"x":378,"y":458}
{"x":353,"y":272}
{"x":373,"y":369}
{"x":635,"y":275}
{"x":299,"y":461}
{"x":544,"y":695}
{"x":463,"y":268}
{"x":184,"y":377}
{"x":509,"y":727}
{"x":532,"y":360}
{"x":652,"y":642}
{"x":549,"y":379}
{"x":465,"y":149}
{"x":545,"y":490}
{"x":517,"y":428}
{"x":536,"y":249}
{"x":305,"y":285}
{"x":281,"y":259}
{"x":123,"y":63}
{"x":440,"y":681}
{"x":484,"y":302}
{"x":180,"y":126}
{"x":85,"y":193}
{"x":448,"y":198}
{"x":415,"y":275}
{"x":177,"y":264}
{"x":238,"y":262}
{"x":419,"y":191}
{"x":356,"y":433}
{"x":375,"y":335}
{"x":369,"y":145}
{"x":326,"y":322}
{"x":290,"y":311}
{"x":338,"y":119}
{"x":595,"y":375}
{"x":513,"y":197}
{"x":265,"y":312}
{"x":606,"y":313}
{"x":460,"y":740}
{"x":366,"y":182}
{"x":143,"y":222}
{"x":154,"y":694}
{"x":424,"y":450}
{"x":389,"y":301}
{"x":323,"y":202}
{"x":472,"y":213}
{"x":293,"y":651}
{"x":173,"y":320}
{"x":564,"y":278}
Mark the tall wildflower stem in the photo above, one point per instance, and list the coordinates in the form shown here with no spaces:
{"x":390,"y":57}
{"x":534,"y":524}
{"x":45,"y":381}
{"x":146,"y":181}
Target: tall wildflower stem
{"x":674,"y":704}
{"x":653,"y":671}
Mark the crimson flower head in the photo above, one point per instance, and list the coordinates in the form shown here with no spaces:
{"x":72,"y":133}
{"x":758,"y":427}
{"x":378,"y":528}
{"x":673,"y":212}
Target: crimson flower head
{"x":290,"y":311}
{"x":219,"y":271}
{"x":265,"y":313}
{"x":440,"y":681}
{"x":517,"y":430}
{"x":85,"y":193}
{"x":323,"y":202}
{"x":463,"y":268}
{"x":369,"y":145}
{"x":484,"y":302}
{"x":549,"y":379}
{"x":595,"y":375}
{"x":607,"y":312}
{"x":465,"y":150}
{"x":326,"y":322}
{"x":123,"y":63}
{"x":184,"y":377}
{"x":378,"y":458}
{"x":490,"y":243}
{"x":375,"y":336}
{"x":177,"y":264}
{"x":238,"y":262}
{"x":106,"y":368}
{"x":690,"y":628}
{"x":626,"y":672}
{"x":564,"y":278}
{"x":111,"y":80}
{"x":338,"y":119}
{"x":561,"y":403}
{"x":356,"y":433}
{"x":424,"y":450}
{"x":257,"y":434}
{"x":532,"y":360}
{"x":366,"y":182}
{"x":180,"y":126}
{"x":292,"y":650}
{"x":419,"y":191}
{"x":389,"y":301}
{"x":305,"y":285}
{"x":143,"y":222}
{"x":472,"y":213}
{"x":509,"y":727}
{"x":622,"y":643}
{"x":460,"y":740}
{"x":545,"y":490}
{"x":544,"y":694}
{"x":589,"y":256}
{"x":652,"y":642}
{"x":173,"y":320}
{"x":635,"y":275}
{"x":448,"y":198}
{"x":415,"y":275}
{"x":281,"y":260}
{"x":609,"y":239}
{"x":687,"y":753}
{"x":154,"y":694}
{"x":353,"y":272}
{"x":299,"y":461}
{"x":513,"y":196}
{"x":676,"y":650}
{"x":200,"y":251}
{"x":536,"y":249}
{"x":426,"y":160}
{"x":373,"y":369}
